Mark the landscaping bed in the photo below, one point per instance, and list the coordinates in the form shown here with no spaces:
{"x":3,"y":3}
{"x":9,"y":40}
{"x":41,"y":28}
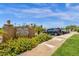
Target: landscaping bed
{"x":69,"y":48}
{"x":17,"y":46}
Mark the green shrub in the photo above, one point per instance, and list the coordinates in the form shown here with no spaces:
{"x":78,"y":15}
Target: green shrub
{"x":77,"y":30}
{"x":1,"y":31}
{"x":17,"y":46}
{"x":42,"y":37}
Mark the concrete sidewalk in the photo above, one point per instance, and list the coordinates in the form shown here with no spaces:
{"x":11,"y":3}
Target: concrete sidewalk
{"x":49,"y":47}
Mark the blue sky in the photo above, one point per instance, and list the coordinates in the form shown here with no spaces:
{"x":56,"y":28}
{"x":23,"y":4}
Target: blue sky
{"x":46,"y":14}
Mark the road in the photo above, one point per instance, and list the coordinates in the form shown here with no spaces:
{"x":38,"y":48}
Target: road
{"x":49,"y":47}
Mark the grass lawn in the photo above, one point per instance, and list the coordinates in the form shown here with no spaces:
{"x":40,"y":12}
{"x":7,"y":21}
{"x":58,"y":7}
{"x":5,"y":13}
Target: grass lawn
{"x":69,"y":48}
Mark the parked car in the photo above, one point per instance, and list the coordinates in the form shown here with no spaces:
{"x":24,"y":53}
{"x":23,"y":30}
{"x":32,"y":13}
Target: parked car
{"x":65,"y":31}
{"x":55,"y":31}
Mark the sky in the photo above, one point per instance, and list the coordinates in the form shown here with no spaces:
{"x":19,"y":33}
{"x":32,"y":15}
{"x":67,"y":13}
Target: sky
{"x":47,"y":14}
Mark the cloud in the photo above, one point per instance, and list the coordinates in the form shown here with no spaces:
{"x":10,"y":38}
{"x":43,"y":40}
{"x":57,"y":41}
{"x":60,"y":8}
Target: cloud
{"x":32,"y":12}
{"x":71,"y":13}
{"x":54,"y":24}
{"x":67,"y":5}
{"x":42,"y":13}
{"x":72,"y":7}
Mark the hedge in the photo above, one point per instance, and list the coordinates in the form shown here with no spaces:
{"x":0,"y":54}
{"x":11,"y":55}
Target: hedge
{"x":17,"y":46}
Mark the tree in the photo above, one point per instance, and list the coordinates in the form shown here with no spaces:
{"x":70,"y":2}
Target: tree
{"x":38,"y":29}
{"x":71,"y":27}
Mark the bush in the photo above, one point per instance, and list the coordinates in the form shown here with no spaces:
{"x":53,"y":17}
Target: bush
{"x":42,"y":37}
{"x":77,"y":30}
{"x":17,"y":46}
{"x":1,"y":31}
